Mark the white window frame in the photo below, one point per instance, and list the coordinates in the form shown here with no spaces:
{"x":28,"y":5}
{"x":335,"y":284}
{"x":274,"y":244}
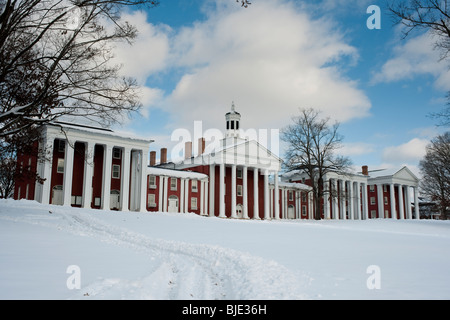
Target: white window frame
{"x":194,"y":185}
{"x":151,"y":200}
{"x":60,"y":166}
{"x":151,"y":184}
{"x":239,"y":190}
{"x":117,"y":153}
{"x":115,"y":169}
{"x":173,"y":184}
{"x":193,"y":203}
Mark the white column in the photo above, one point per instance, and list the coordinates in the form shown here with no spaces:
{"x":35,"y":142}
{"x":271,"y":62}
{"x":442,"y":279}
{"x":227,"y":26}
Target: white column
{"x":68,"y":173}
{"x":202,"y":198}
{"x":266,"y":195}
{"x":144,"y":177}
{"x":255,"y":195}
{"x":212,"y":182}
{"x":206,"y":197}
{"x":351,"y":204}
{"x":283,"y":203}
{"x":88,"y":173}
{"x":222,"y":191}
{"x":233,"y":191}
{"x":311,"y":206}
{"x":334,"y":199}
{"x":358,"y":200}
{"x":416,"y":203}
{"x":181,"y":205}
{"x":165,"y":193}
{"x":245,"y":192}
{"x":42,"y":191}
{"x":343,"y":202}
{"x":276,"y":197}
{"x":408,"y":203}
{"x":365,"y":211}
{"x":106,"y":191}
{"x":125,"y":187}
{"x":392,"y":201}
{"x":326,"y":199}
{"x":400,"y":201}
{"x":380,"y":201}
{"x":160,"y":193}
{"x":186,"y":195}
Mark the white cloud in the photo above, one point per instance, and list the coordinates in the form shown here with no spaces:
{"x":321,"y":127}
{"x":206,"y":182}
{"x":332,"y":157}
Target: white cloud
{"x":149,"y":51}
{"x":410,"y":152}
{"x":271,"y":60}
{"x":416,"y":57}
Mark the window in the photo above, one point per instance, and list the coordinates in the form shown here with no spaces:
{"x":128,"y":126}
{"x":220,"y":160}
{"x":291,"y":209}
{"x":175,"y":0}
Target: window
{"x":60,"y":168}
{"x":239,"y":173}
{"x":116,"y":171}
{"x":76,"y":200}
{"x":239,"y":191}
{"x":372,"y":200}
{"x":385,"y":200}
{"x":152,"y":182}
{"x":194,"y":186}
{"x":373,"y":214}
{"x":291,"y":195}
{"x":232,"y":125}
{"x":61,"y":146}
{"x":372,"y":188}
{"x":194,"y":203}
{"x":151,"y":200}
{"x":304,"y":196}
{"x":117,"y":153}
{"x":385,"y":188}
{"x":304,"y":211}
{"x":173,"y":184}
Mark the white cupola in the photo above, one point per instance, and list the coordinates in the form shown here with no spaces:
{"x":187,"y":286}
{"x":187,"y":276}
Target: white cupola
{"x":233,"y":119}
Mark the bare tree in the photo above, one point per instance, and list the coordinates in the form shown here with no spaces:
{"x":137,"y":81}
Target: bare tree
{"x":312,"y":144}
{"x":55,"y":60}
{"x":428,"y":15}
{"x":435,"y":168}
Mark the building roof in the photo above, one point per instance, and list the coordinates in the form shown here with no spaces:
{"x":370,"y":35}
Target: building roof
{"x":176,"y":173}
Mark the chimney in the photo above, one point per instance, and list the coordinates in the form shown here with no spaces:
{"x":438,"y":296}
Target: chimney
{"x":188,"y":150}
{"x":163,"y":155}
{"x":201,"y":146}
{"x":365,"y":170}
{"x":152,"y":158}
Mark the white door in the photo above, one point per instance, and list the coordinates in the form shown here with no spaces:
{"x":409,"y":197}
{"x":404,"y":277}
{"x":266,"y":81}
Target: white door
{"x":291,"y":212}
{"x":239,"y":211}
{"x":173,"y":204}
{"x":57,"y":195}
{"x":114,"y":200}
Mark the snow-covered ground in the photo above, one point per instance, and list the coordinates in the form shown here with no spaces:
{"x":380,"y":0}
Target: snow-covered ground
{"x":132,"y":255}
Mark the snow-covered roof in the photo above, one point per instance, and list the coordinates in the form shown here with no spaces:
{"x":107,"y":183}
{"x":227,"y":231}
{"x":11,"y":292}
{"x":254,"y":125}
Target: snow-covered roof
{"x":176,"y":173}
{"x":101,"y":131}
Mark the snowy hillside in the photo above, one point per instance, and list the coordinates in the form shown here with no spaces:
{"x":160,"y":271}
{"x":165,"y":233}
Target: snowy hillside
{"x":168,"y":256}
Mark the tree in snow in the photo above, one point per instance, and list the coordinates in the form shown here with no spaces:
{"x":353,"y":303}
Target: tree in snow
{"x":435,"y":168}
{"x":311,"y":148}
{"x":432,"y":16}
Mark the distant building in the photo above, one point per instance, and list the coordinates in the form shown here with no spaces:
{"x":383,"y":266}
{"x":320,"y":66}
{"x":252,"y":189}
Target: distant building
{"x":239,"y":178}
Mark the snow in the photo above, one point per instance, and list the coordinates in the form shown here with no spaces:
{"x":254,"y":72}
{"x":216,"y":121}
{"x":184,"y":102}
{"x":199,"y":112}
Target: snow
{"x":129,"y":255}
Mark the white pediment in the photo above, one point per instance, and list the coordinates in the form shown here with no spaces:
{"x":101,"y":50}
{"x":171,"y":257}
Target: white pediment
{"x":405,"y":174}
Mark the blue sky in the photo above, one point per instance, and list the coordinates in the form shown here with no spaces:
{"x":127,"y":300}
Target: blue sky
{"x":193,"y":58}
